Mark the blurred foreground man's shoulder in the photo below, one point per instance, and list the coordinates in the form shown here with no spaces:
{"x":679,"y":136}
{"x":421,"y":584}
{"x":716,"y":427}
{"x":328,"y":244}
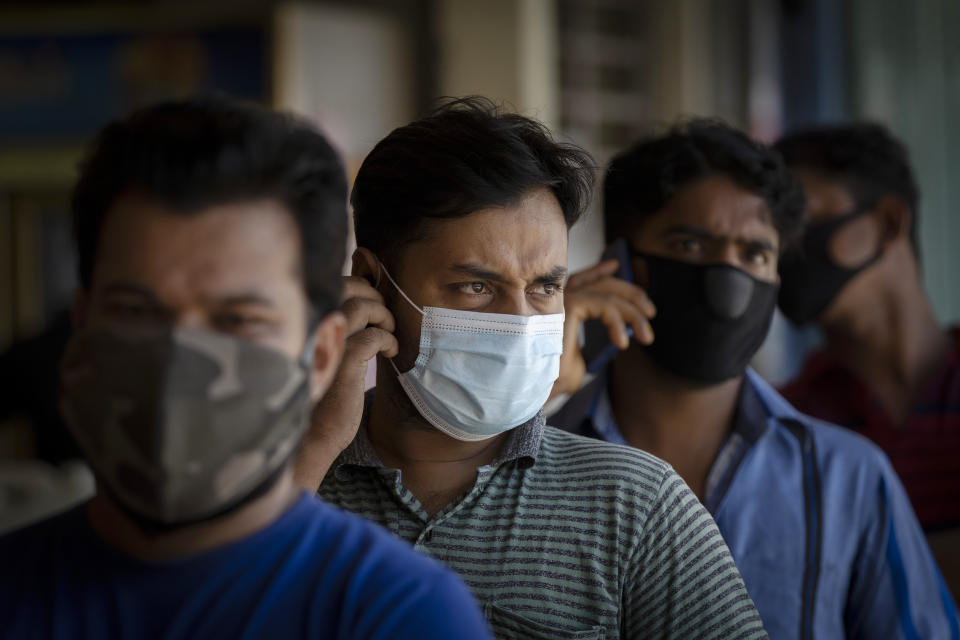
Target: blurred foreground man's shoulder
{"x":314,"y":573}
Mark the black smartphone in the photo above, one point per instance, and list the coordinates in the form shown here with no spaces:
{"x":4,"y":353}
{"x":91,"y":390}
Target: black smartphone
{"x":597,"y":348}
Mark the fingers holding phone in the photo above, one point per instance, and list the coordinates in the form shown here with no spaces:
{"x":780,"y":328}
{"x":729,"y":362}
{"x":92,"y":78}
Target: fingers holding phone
{"x":612,"y":310}
{"x":623,"y":307}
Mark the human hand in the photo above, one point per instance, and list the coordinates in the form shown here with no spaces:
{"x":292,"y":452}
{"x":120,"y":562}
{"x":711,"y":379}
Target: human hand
{"x":596,"y":293}
{"x":337,"y":415}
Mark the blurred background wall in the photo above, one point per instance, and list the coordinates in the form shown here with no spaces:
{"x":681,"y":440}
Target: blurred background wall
{"x":599,"y":72}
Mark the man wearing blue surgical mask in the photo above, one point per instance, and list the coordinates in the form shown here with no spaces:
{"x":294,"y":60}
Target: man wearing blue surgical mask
{"x":462,"y":220}
{"x":816,"y":519}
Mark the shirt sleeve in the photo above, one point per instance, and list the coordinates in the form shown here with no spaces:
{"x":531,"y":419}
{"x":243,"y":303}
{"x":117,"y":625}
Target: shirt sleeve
{"x":682,"y":581}
{"x":896,"y":588}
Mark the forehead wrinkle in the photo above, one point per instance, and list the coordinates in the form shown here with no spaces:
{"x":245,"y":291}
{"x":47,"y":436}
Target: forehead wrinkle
{"x":736,"y":227}
{"x":476,"y":271}
{"x":744,"y":216}
{"x":180,"y":255}
{"x":515,"y":242}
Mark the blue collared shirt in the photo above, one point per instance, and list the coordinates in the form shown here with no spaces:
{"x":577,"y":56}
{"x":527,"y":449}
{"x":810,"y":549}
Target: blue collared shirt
{"x":818,"y":522}
{"x":749,"y":424}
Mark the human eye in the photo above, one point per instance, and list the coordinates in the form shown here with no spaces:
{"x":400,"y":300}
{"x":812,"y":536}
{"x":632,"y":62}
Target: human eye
{"x":132,"y":310}
{"x":688,"y":246}
{"x":756,"y":256}
{"x":474,"y":288}
{"x":240,"y":322}
{"x":547,"y":289}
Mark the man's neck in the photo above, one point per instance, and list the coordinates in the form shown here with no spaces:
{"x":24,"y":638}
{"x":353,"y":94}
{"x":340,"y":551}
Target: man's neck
{"x":681,"y":422}
{"x":120,"y":531}
{"x":435,"y":467}
{"x":890,"y":338}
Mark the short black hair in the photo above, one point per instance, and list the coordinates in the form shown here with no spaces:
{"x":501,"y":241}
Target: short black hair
{"x":205,"y":151}
{"x":862,"y":156}
{"x":641,"y":180}
{"x":468,"y":154}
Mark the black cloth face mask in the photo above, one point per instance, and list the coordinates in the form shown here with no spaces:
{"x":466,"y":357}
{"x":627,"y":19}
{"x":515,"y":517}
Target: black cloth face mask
{"x":711,"y":318}
{"x":809,"y":278}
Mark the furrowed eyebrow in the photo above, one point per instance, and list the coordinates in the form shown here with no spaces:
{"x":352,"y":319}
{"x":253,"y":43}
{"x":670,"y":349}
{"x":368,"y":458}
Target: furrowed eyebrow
{"x":246,"y":298}
{"x":475,"y":271}
{"x":697,"y":232}
{"x":557,"y":274}
{"x":132,"y":290}
{"x":765,"y":245}
{"x":235,"y":299}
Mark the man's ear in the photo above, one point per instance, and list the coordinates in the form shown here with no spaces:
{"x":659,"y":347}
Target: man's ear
{"x":895,"y":220}
{"x":329,"y":338}
{"x":366,"y":265}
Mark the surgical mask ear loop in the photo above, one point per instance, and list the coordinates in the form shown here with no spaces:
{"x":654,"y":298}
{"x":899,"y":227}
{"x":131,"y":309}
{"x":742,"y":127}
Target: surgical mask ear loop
{"x":405,"y":297}
{"x":397,"y":287}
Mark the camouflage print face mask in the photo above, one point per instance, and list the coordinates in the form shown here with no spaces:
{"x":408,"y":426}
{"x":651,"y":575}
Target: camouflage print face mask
{"x":180,"y":424}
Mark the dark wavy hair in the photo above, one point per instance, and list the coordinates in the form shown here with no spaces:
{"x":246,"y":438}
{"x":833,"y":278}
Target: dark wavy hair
{"x":468,"y":154}
{"x":202,"y":152}
{"x":641,"y":180}
{"x":862,"y":156}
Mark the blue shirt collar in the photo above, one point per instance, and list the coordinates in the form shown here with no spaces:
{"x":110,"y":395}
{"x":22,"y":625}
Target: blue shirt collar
{"x":773,"y":404}
{"x":757,"y":403}
{"x":750,"y":422}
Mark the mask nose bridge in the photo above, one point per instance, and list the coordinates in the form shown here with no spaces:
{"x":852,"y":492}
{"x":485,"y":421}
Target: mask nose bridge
{"x":727,"y":291}
{"x":727,"y":253}
{"x":516,"y":305}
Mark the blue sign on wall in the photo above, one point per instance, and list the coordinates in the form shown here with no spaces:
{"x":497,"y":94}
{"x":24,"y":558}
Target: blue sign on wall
{"x":63,"y":88}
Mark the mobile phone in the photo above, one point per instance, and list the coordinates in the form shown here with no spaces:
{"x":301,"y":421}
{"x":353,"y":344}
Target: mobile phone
{"x":597,"y":348}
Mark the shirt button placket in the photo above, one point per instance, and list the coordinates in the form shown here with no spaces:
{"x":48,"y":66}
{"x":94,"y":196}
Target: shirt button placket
{"x":425,"y":536}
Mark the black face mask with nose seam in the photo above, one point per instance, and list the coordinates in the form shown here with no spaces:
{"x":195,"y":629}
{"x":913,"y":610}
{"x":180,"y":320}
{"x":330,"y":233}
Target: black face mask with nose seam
{"x":711,"y":318}
{"x":809,"y":277}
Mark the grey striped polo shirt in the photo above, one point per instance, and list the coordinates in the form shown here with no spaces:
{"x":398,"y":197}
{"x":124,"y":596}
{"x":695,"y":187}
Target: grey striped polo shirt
{"x":564,"y":537}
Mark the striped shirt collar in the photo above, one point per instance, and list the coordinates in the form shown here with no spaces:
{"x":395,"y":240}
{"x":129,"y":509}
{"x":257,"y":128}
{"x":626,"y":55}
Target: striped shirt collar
{"x":522,"y":444}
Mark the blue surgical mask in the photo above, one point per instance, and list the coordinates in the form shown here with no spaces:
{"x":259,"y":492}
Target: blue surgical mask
{"x":480,"y":374}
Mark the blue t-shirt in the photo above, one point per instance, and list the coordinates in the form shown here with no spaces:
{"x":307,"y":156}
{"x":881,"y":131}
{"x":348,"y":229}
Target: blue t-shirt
{"x":316,"y":572}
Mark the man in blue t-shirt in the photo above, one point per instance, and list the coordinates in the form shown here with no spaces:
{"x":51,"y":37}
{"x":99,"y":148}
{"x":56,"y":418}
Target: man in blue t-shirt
{"x":210,"y":237}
